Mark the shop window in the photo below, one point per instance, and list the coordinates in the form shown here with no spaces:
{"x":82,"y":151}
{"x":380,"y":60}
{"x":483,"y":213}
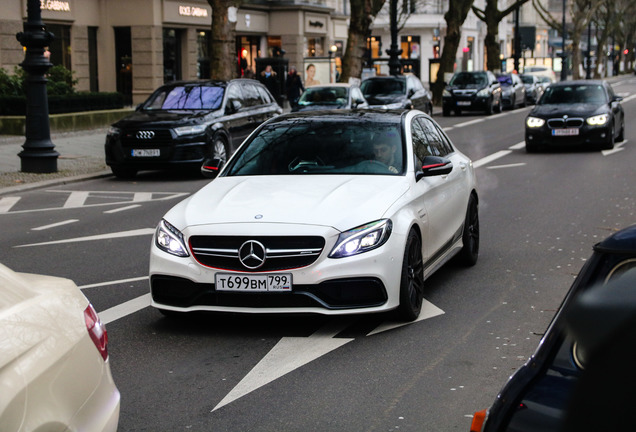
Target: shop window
{"x":274,"y":46}
{"x":203,"y":54}
{"x":93,"y":71}
{"x":247,"y":52}
{"x":123,"y":62}
{"x":60,"y":48}
{"x":171,"y":55}
{"x":314,"y":46}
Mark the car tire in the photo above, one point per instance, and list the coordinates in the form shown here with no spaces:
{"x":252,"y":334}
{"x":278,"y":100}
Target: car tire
{"x":531,"y":148}
{"x":412,"y":280}
{"x":609,"y":145}
{"x":470,"y":235}
{"x":124,"y":173}
{"x":446,"y":112}
{"x":218,"y":149}
{"x":621,"y":135}
{"x":513,"y":102}
{"x":499,"y":108}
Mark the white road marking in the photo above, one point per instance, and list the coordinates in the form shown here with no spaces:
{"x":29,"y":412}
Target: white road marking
{"x":8,"y":202}
{"x":66,"y":222}
{"x":490,"y":158}
{"x":288,"y":354}
{"x":76,"y":199}
{"x":518,"y":146}
{"x":429,"y":310}
{"x":506,"y":166}
{"x":125,"y":309}
{"x":130,"y":207}
{"x":138,"y":232}
{"x":468,"y":123}
{"x":115,"y":282}
{"x":616,"y":149}
{"x":142,"y":196}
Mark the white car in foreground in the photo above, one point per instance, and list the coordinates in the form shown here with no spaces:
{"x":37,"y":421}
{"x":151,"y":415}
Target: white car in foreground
{"x":329,"y":212}
{"x":54,"y":370}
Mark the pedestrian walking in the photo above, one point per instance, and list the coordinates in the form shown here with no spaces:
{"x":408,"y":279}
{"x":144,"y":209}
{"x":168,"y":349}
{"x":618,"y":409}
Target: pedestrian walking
{"x":294,"y":87}
{"x":270,"y":79}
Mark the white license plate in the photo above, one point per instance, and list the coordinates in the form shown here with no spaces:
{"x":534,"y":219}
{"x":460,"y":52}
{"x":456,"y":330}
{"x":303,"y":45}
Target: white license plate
{"x":565,"y":132}
{"x":145,"y":152}
{"x":463,"y":103}
{"x":253,"y":283}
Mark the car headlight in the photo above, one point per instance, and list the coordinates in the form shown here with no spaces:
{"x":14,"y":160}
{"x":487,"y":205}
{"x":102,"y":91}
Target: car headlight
{"x":534,"y":122}
{"x":362,"y":239}
{"x":189,"y":130}
{"x":170,"y":240}
{"x":597,"y":120}
{"x":483,"y":93}
{"x":113,"y":131}
{"x":446,"y":93}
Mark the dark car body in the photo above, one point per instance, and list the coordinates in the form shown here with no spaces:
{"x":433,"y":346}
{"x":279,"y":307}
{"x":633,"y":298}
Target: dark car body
{"x":513,"y":91}
{"x":472,"y":91}
{"x":397,"y":92}
{"x":534,"y":88}
{"x":536,"y":397}
{"x":184,"y":122}
{"x":575,"y":114}
{"x":331,"y":96}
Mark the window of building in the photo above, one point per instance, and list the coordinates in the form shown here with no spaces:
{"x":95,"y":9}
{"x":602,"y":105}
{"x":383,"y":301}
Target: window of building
{"x":60,"y":48}
{"x":171,"y":55}
{"x":93,"y":71}
{"x":314,"y":46}
{"x":203,"y":54}
{"x":123,"y":62}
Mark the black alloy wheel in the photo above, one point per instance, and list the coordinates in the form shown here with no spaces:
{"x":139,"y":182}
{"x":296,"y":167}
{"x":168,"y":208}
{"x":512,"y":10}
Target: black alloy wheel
{"x":470,"y":236}
{"x":412,"y":281}
{"x":621,"y":134}
{"x":609,"y":145}
{"x":219,"y":149}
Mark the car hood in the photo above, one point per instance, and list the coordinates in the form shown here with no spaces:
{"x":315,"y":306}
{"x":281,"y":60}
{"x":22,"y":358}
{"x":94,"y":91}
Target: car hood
{"x":571,"y":110}
{"x":315,"y":107}
{"x":341,"y":202}
{"x":384,"y":99}
{"x":465,"y":87}
{"x":163,"y":118}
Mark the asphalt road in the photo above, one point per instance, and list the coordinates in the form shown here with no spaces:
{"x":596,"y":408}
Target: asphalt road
{"x":540,"y":216}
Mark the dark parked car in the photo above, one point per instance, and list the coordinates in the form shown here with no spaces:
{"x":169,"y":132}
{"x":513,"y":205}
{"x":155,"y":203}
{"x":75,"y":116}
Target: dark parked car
{"x":183,"y":123}
{"x":472,"y":91}
{"x":534,"y":88}
{"x":513,"y":92}
{"x":576,"y":113}
{"x":397,"y":92}
{"x":537,"y":396}
{"x":331,"y":96}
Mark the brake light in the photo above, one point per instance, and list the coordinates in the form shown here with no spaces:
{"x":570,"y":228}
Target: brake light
{"x":479,"y":418}
{"x":96,"y":330}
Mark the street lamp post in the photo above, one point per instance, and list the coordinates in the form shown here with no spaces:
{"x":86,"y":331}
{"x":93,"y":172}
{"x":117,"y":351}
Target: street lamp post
{"x":564,"y":70}
{"x":332,"y":51}
{"x":393,"y":51}
{"x":38,"y":154}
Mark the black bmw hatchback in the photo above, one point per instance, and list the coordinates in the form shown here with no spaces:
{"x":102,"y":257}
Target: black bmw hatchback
{"x":576,"y":114}
{"x":183,"y":123}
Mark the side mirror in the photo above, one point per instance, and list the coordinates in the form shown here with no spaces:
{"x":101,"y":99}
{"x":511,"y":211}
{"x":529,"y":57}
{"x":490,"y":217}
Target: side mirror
{"x":617,"y":98}
{"x":233,"y":106}
{"x":434,"y":166}
{"x":211,"y":167}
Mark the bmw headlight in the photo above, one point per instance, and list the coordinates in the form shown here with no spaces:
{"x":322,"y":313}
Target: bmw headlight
{"x":189,"y":130}
{"x":534,"y":122}
{"x":362,"y":239}
{"x":598,"y":120}
{"x":170,"y":240}
{"x":483,"y":93}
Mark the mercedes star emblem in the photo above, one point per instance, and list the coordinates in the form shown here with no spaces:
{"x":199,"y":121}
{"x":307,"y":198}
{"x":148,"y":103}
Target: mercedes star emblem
{"x":252,"y":254}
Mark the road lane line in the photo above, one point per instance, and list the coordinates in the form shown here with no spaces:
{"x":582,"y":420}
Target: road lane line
{"x":76,"y":199}
{"x":115,"y":282}
{"x":66,"y":222}
{"x":618,"y":148}
{"x":130,"y":207}
{"x":490,"y":158}
{"x":8,"y":202}
{"x":142,"y":196}
{"x":518,"y":146}
{"x":506,"y":166}
{"x":138,"y":232}
{"x":124,"y":309}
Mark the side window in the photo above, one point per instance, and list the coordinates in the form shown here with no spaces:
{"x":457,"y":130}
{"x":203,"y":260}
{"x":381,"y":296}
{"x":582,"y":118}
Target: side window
{"x":234,"y":94}
{"x":250,"y":93}
{"x":428,"y":140}
{"x":356,"y":94}
{"x":265,"y":96}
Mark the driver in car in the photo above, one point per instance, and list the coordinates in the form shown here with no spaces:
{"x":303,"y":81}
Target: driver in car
{"x":386,"y":152}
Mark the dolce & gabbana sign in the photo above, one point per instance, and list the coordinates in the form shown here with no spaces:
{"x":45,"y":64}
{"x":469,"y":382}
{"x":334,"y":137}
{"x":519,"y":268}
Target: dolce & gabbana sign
{"x":55,"y":5}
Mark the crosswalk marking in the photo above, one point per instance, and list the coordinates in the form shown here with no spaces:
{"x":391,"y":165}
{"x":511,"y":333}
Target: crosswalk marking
{"x":8,"y":202}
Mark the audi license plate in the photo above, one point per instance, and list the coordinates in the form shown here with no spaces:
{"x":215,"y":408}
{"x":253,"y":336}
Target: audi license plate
{"x":253,"y":283}
{"x":565,"y":132}
{"x":145,"y":153}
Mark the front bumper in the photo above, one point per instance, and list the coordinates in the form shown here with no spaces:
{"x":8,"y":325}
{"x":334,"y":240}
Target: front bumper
{"x":364,"y":283}
{"x":587,"y":136}
{"x":466,"y":103}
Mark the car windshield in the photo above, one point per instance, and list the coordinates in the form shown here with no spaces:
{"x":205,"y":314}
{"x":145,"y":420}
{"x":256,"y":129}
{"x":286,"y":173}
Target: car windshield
{"x":382,"y":86}
{"x":527,"y":79}
{"x":321,"y":146}
{"x":466,"y":78}
{"x":572,"y":94}
{"x":324,"y":96}
{"x":186,"y":97}
{"x":505,"y":80}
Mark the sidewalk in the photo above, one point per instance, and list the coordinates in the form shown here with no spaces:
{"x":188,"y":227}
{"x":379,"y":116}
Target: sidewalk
{"x":81,"y":157}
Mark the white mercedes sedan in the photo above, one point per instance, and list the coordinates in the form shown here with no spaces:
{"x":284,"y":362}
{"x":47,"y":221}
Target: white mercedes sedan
{"x":328,"y":212}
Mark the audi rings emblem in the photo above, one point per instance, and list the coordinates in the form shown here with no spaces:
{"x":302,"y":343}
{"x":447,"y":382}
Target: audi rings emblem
{"x":252,"y":254}
{"x":145,"y":134}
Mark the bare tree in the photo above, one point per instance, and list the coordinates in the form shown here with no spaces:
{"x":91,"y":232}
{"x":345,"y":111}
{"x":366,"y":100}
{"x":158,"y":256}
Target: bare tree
{"x":222,"y":41}
{"x":581,"y":12}
{"x":363,"y":12}
{"x":492,"y":16}
{"x":454,"y":17}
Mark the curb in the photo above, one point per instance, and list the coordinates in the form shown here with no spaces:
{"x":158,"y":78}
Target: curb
{"x":54,"y":182}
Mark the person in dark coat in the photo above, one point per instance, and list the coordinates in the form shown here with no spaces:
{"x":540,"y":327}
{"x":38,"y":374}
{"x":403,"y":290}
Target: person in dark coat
{"x":294,"y":87}
{"x":270,"y":80}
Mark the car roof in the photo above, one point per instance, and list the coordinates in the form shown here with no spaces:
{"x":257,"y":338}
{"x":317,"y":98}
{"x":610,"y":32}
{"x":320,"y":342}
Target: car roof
{"x":367,"y":115}
{"x":346,"y":85}
{"x":390,"y":77}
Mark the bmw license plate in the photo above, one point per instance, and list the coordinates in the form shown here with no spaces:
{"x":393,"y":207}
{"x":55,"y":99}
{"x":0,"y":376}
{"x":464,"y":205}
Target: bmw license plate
{"x":463,"y":103}
{"x":253,"y":283}
{"x":565,"y":132}
{"x":145,"y":153}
